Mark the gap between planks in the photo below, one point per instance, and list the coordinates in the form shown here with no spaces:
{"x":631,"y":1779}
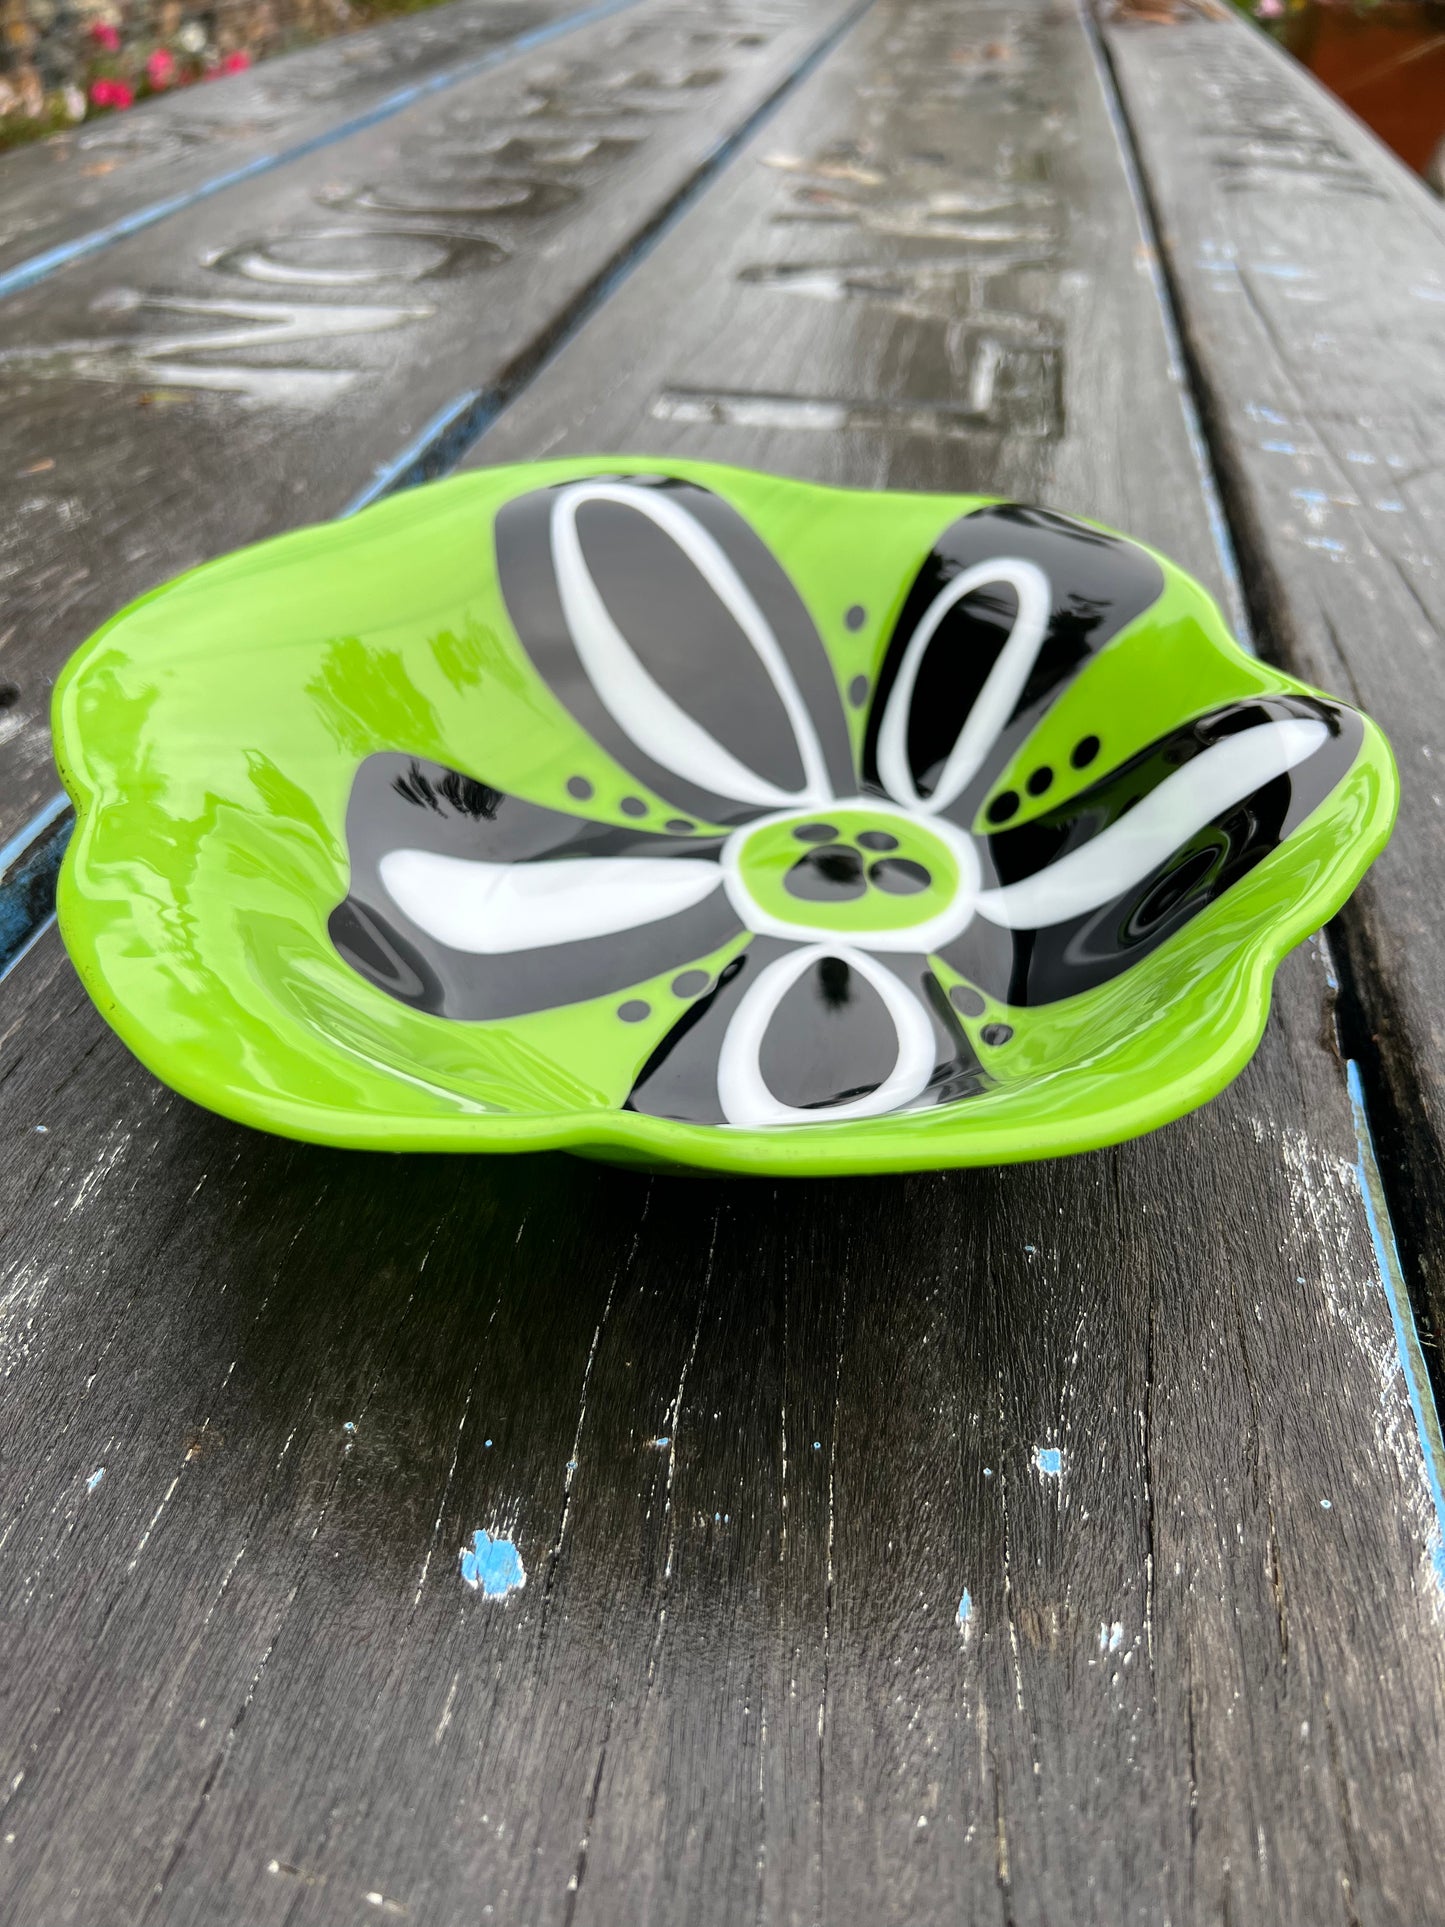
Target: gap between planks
{"x":37,"y":267}
{"x":1251,"y":617}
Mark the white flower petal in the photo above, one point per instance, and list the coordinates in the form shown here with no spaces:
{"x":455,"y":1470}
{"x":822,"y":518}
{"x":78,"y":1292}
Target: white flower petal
{"x":744,"y":1095}
{"x":996,"y":700}
{"x":1129,"y":850}
{"x":636,"y":701}
{"x":493,"y":908}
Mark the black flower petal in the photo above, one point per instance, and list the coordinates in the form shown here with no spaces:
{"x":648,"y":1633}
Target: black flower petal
{"x":831,"y":1041}
{"x":1099,"y":583}
{"x":400,"y":803}
{"x":1040,"y":965}
{"x":682,"y":632}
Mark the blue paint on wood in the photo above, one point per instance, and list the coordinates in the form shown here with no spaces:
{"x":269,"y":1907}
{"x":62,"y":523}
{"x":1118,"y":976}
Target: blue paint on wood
{"x":492,"y":1566}
{"x":29,"y":864}
{"x":965,"y":1611}
{"x":1236,"y":608}
{"x":26,"y":273}
{"x":95,"y":1478}
{"x":1049,"y":1461}
{"x":459,"y":423}
{"x":1407,"y":1338}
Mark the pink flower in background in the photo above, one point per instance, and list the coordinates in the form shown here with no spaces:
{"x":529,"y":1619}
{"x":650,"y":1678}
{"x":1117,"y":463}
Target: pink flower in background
{"x":161,"y":68}
{"x":106,"y":36}
{"x":111,"y":93}
{"x":1269,"y":9}
{"x":235,"y":63}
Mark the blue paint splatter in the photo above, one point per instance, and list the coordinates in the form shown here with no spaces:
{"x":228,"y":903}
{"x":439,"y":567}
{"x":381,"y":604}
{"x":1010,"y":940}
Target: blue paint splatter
{"x":95,"y":1478}
{"x":1049,"y":1461}
{"x":492,"y":1566}
{"x":965,"y":1611}
{"x":1407,"y":1338}
{"x":29,"y":864}
{"x":1279,"y":448}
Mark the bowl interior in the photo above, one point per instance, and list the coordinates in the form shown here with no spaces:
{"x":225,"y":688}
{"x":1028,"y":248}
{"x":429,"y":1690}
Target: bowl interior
{"x":385,"y":840}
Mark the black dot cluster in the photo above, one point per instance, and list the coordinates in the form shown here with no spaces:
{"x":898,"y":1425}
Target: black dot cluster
{"x":582,"y":789}
{"x":1006,"y":804}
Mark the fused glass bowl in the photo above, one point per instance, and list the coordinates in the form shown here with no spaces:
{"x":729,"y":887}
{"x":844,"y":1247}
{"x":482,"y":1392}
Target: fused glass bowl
{"x":694,"y":816}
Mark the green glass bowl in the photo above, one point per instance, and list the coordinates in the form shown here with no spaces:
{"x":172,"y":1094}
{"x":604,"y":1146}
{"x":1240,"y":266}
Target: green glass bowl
{"x":689,"y":816}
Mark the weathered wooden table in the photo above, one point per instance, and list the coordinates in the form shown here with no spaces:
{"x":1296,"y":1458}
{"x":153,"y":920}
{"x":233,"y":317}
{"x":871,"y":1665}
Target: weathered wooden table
{"x":1055,"y":1544}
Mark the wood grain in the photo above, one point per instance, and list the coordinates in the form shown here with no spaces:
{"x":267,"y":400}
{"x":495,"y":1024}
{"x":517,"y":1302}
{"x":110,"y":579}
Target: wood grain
{"x":1310,"y":267}
{"x":753,"y":1442}
{"x":61,"y":192}
{"x":257,"y":360}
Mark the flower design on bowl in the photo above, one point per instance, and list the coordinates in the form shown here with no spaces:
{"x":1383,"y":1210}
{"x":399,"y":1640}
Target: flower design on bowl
{"x":674,"y":637}
{"x":993,"y":856}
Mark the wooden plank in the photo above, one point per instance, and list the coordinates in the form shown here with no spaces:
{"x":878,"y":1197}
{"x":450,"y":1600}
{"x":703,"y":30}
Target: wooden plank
{"x":752,"y":1442}
{"x":1310,"y":267}
{"x":163,"y":399}
{"x":68,"y":196}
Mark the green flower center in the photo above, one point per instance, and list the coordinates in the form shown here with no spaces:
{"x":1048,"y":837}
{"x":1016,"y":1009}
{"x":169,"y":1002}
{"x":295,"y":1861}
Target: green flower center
{"x":850,"y":870}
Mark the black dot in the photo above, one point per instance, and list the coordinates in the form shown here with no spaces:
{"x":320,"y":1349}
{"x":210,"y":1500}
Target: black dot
{"x":1084,"y":752}
{"x":815,"y":833}
{"x":633,"y":806}
{"x":9,"y":695}
{"x":832,"y":875}
{"x":900,"y":876}
{"x":634,"y":1010}
{"x":996,"y":1033}
{"x":1040,"y":779}
{"x":858,"y":691}
{"x":679,"y":826}
{"x":579,"y":787}
{"x":691,"y":983}
{"x":877,"y":840}
{"x":856,"y":616}
{"x":965,"y":998}
{"x":1003,"y":806}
